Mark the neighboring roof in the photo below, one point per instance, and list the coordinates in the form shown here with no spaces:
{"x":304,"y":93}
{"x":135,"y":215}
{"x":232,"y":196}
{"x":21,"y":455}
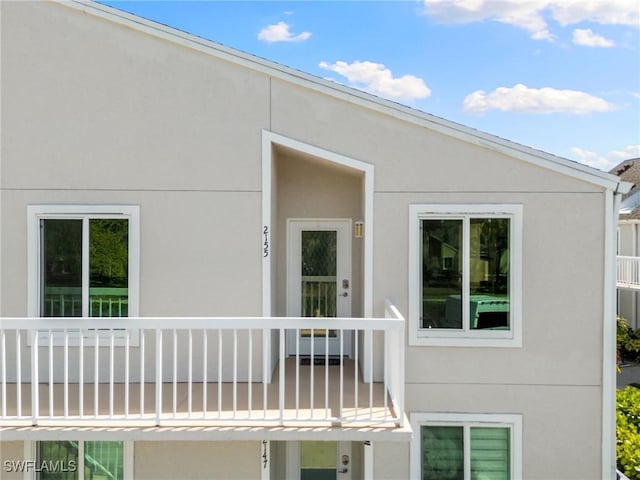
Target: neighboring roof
{"x":629,"y":171}
{"x":363,"y":99}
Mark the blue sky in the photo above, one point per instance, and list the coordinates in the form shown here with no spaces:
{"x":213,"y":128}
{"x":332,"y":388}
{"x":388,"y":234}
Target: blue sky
{"x":562,"y":76}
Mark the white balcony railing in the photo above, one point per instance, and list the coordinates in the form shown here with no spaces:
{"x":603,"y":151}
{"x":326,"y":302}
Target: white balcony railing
{"x":628,"y":272}
{"x":186,"y":371}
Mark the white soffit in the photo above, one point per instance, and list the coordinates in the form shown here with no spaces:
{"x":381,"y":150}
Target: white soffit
{"x":469,"y":135}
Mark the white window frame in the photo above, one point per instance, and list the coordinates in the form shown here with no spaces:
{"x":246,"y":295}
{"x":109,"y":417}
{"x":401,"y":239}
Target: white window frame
{"x":465,"y":337}
{"x":35,"y":213}
{"x":31,"y":455}
{"x":467,"y":420}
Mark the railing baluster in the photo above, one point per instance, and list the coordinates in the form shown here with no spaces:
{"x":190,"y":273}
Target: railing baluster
{"x":385,"y":369}
{"x":265,"y":374}
{"x":326,"y":373}
{"x":81,"y":374}
{"x":355,"y":374}
{"x":235,"y":371}
{"x":249,"y":373}
{"x":50,"y":373}
{"x":370,"y":347}
{"x":158,"y":375}
{"x":190,"y":374}
{"x":142,"y":367}
{"x":175,"y":373}
{"x":204,"y":373}
{"x":297,"y":359}
{"x":35,"y":391}
{"x":66,"y":372}
{"x":219,"y":373}
{"x":127,"y":345}
{"x":312,"y":367}
{"x":111,"y":370}
{"x":341,"y":406}
{"x":281,"y":389}
{"x":19,"y":371}
{"x":96,"y":371}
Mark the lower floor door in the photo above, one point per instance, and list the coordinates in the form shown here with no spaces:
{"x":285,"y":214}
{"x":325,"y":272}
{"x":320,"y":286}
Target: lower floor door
{"x":317,"y":460}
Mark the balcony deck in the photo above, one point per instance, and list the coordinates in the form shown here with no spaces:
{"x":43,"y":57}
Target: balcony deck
{"x":145,"y":375}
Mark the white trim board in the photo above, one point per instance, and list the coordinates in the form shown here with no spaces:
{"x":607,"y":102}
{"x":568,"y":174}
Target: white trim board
{"x":357,"y":97}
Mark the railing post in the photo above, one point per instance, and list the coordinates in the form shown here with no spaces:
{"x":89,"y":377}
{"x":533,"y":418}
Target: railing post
{"x":400,"y":377}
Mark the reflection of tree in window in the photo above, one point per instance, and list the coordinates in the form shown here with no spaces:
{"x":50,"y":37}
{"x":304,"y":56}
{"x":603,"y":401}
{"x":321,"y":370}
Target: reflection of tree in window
{"x":441,"y":271}
{"x":489,"y":255}
{"x":108,"y":252}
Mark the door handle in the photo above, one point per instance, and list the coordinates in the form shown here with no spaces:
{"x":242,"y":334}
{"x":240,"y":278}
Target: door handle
{"x":344,"y":294}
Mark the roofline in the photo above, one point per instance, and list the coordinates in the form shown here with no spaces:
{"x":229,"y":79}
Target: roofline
{"x":363,"y":99}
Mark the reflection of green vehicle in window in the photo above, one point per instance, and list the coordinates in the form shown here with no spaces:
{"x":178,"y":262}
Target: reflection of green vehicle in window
{"x":485,"y":312}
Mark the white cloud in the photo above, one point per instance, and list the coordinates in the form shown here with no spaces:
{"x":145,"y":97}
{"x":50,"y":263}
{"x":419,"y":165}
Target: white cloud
{"x":522,"y":99}
{"x":587,"y":38}
{"x":279,"y":32}
{"x":636,"y":95}
{"x":607,"y":161}
{"x":377,"y":79}
{"x":530,"y":14}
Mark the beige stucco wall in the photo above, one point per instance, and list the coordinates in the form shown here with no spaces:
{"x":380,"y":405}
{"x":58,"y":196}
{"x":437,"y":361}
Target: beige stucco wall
{"x":103,"y":114}
{"x":11,"y":452}
{"x":391,"y":460}
{"x":197,"y":460}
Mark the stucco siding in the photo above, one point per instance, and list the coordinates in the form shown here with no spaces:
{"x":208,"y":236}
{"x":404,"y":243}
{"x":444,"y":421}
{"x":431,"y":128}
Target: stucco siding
{"x":437,"y":162}
{"x":101,"y":106}
{"x":11,"y":452}
{"x":560,"y":431}
{"x":197,"y":460}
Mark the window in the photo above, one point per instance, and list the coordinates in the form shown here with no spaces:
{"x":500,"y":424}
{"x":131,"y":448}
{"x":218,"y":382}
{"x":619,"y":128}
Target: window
{"x":82,"y":460}
{"x":465,"y":264}
{"x":83,"y":261}
{"x":466,"y":446}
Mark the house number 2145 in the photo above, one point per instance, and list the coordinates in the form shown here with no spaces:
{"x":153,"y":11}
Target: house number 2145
{"x":265,"y":232}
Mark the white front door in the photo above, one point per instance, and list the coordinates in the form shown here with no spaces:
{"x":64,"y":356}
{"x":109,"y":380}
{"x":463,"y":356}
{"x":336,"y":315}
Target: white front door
{"x":318,"y":283}
{"x":319,"y":460}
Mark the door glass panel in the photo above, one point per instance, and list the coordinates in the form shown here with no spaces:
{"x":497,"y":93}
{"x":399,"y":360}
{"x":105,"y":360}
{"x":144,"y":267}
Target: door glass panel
{"x":61,"y":268}
{"x":441,"y":274}
{"x":318,"y":460}
{"x":108,"y":267}
{"x":318,"y":267}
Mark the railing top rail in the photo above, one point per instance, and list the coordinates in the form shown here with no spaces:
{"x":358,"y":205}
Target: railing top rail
{"x":184,"y":323}
{"x":627,"y":257}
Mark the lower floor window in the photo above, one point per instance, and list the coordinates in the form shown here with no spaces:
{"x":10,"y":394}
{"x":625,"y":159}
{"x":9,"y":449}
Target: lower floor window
{"x":466,"y":446}
{"x":444,"y":450}
{"x":80,"y":460}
